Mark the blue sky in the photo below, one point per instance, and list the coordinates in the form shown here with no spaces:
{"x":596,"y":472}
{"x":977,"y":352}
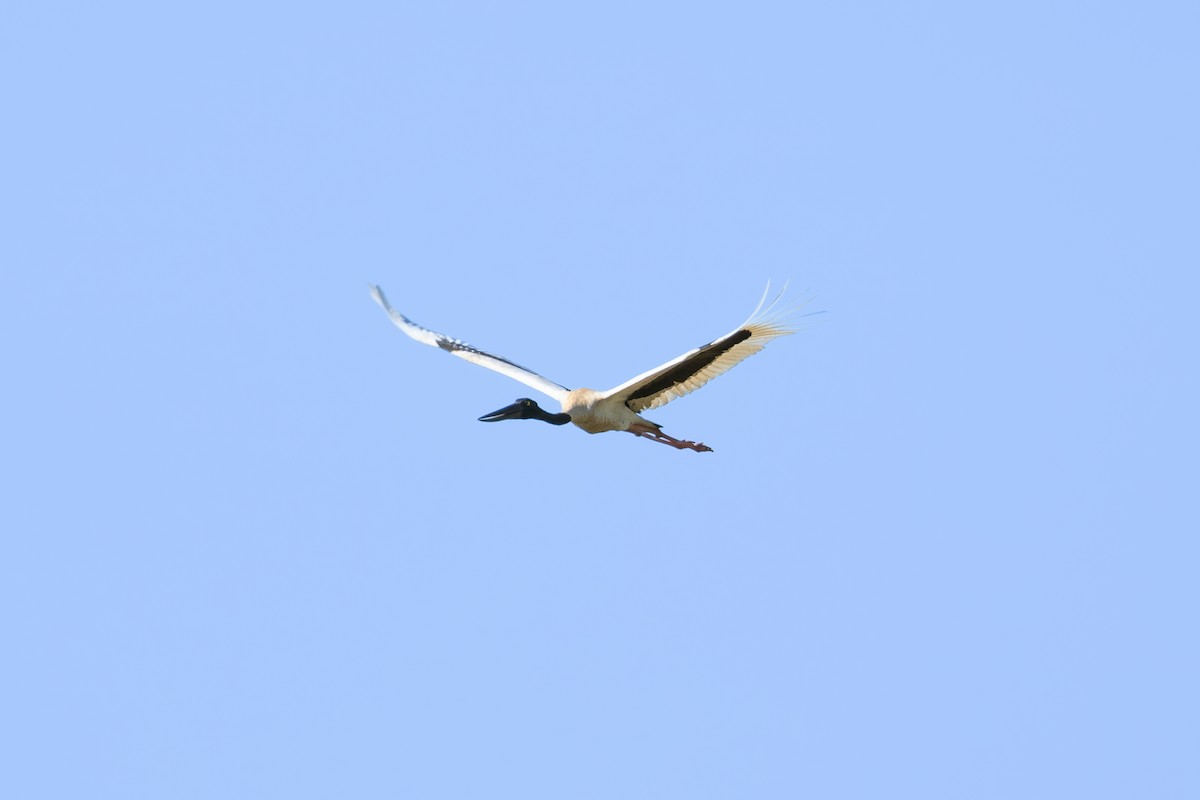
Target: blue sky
{"x":256,"y":545}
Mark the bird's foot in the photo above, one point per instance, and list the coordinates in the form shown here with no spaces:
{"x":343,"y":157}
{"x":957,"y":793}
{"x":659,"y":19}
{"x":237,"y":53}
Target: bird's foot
{"x":656,"y":435}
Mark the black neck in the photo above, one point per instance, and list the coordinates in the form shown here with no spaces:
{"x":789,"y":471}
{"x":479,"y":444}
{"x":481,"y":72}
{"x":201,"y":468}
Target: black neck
{"x":553,"y":419}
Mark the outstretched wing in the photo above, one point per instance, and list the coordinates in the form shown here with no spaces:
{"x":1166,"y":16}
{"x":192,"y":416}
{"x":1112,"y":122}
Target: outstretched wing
{"x":468,"y":353}
{"x":697,"y":367}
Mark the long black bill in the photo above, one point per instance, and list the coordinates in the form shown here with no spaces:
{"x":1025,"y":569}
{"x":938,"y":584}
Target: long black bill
{"x":508,"y":412}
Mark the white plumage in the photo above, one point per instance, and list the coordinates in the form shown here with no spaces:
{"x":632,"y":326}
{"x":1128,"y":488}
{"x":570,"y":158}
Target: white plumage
{"x":617,"y":409}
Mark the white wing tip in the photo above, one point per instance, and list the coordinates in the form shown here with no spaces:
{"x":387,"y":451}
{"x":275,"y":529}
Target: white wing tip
{"x":377,"y":293}
{"x":776,"y":317}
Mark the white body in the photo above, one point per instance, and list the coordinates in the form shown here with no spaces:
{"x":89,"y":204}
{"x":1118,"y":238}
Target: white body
{"x":597,"y":412}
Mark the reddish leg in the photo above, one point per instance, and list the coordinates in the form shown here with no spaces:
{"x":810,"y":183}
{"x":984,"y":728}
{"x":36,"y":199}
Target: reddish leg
{"x":656,"y":435}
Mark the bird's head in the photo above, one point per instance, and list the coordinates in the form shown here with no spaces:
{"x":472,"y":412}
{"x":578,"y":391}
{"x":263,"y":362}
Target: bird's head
{"x":525,"y":408}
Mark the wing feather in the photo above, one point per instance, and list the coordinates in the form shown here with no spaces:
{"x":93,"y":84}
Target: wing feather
{"x":457,"y":347}
{"x":693,"y":369}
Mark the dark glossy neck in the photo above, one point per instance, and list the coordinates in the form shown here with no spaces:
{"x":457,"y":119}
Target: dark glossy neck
{"x":553,"y":419}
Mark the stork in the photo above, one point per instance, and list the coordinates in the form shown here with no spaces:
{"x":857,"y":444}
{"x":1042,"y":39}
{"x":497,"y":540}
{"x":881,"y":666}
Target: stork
{"x":617,"y":409}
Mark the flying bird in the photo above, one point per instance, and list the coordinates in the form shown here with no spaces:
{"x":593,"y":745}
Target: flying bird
{"x":618,"y":409}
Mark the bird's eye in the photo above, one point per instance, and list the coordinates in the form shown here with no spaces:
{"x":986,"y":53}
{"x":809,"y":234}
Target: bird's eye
{"x":528,"y":403}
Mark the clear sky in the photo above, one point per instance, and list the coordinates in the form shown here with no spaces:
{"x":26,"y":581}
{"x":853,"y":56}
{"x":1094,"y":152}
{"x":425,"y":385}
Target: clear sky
{"x":255,"y":544}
